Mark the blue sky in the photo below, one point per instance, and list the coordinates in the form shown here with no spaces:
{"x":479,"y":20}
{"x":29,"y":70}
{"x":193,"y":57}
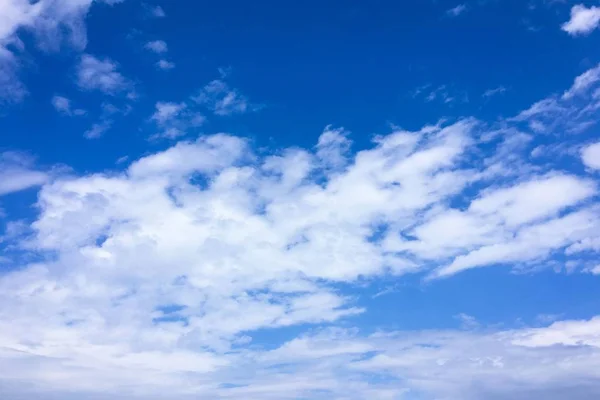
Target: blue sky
{"x":273,"y":200}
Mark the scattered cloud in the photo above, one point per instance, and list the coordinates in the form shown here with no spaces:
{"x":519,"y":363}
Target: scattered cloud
{"x":458,"y":10}
{"x":156,"y":11}
{"x":223,"y":100}
{"x":583,"y":20}
{"x":157,"y":46}
{"x":63,"y":106}
{"x":559,"y":114}
{"x":493,"y":92}
{"x":442,"y":93}
{"x":100,"y":74}
{"x":98,"y":129}
{"x":175,"y":119}
{"x":165,"y":65}
{"x":53,"y":24}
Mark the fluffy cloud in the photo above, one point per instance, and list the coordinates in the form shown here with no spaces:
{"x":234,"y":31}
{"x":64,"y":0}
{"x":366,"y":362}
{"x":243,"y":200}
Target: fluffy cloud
{"x":591,"y":156}
{"x":165,"y":65}
{"x":153,"y":281}
{"x":53,"y":23}
{"x":63,"y":106}
{"x":583,"y":20}
{"x":157,"y":46}
{"x":100,"y":74}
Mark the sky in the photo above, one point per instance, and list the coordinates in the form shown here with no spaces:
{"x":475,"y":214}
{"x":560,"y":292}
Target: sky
{"x":299,"y":200}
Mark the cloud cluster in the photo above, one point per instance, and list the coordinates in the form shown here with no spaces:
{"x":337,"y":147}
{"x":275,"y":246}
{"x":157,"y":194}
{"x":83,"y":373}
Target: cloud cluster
{"x":156,"y":279}
{"x":53,"y":23}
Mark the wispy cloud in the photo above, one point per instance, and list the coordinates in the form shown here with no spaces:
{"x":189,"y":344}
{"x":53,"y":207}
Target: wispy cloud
{"x":17,"y":172}
{"x":456,"y":11}
{"x":493,"y":92}
{"x":223,"y":100}
{"x":175,"y":119}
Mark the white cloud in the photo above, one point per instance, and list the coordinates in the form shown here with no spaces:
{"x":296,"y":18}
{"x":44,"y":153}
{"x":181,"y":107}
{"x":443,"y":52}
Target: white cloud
{"x":63,"y":106}
{"x":98,"y":129}
{"x":456,"y":11}
{"x":583,"y":20}
{"x":184,"y":255}
{"x":53,"y":23}
{"x":591,"y":156}
{"x":157,"y":46}
{"x":223,"y":100}
{"x":574,"y":112}
{"x":18,"y":173}
{"x":155,"y":11}
{"x":175,"y":119}
{"x":583,"y":82}
{"x":100,"y":74}
{"x":158,"y":12}
{"x":165,"y":65}
{"x":493,"y":92}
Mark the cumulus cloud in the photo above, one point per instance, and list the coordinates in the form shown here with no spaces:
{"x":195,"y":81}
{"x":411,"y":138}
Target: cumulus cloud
{"x":583,"y":20}
{"x":591,"y":156}
{"x":190,"y":251}
{"x":157,"y":46}
{"x":165,"y":65}
{"x":63,"y":106}
{"x":156,"y":280}
{"x":100,"y":74}
{"x":53,"y":23}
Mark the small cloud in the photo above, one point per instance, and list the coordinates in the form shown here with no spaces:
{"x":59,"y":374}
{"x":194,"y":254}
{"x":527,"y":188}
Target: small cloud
{"x":442,"y":93}
{"x":583,"y":20}
{"x":223,"y":100}
{"x":456,"y":11}
{"x":165,"y":65}
{"x":98,"y":129}
{"x":467,"y":321}
{"x":174,"y":119}
{"x":493,"y":92}
{"x":157,"y":12}
{"x":63,"y":106}
{"x":157,"y":46}
{"x":166,"y":111}
{"x":100,"y":74}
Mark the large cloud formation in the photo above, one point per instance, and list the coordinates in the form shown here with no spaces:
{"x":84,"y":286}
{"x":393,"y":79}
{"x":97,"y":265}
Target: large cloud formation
{"x":154,"y":281}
